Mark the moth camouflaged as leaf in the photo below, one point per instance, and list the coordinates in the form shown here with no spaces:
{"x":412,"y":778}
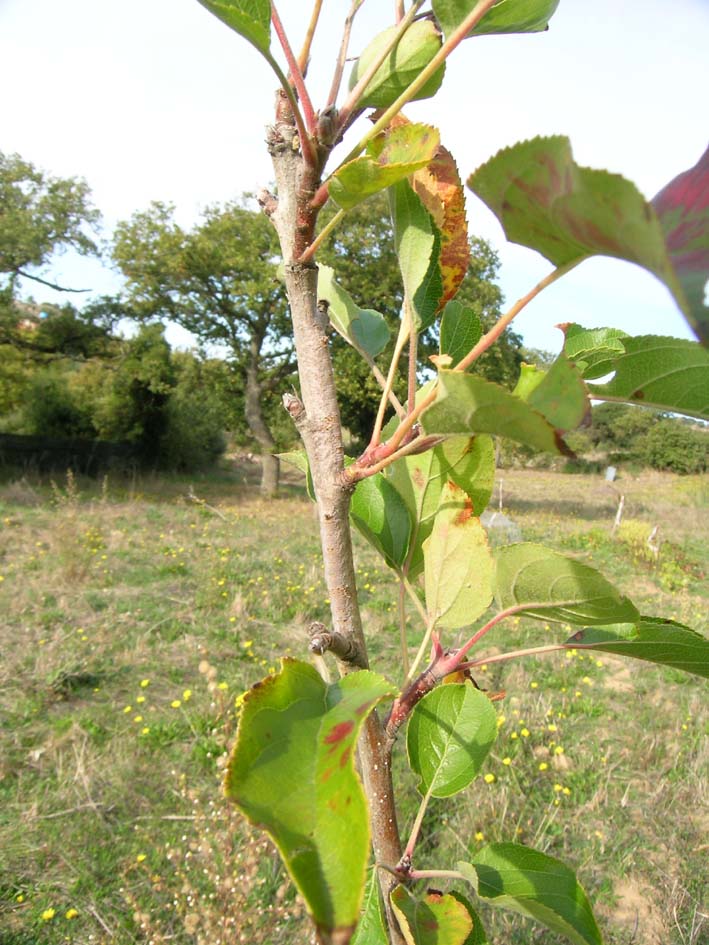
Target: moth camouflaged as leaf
{"x":650,"y":638}
{"x":549,"y":586}
{"x":545,"y":201}
{"x":250,"y":18}
{"x":292,"y":772}
{"x":391,"y":157}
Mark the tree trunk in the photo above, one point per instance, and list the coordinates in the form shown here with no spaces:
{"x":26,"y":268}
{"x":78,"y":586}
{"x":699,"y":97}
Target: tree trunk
{"x":318,"y":421}
{"x":253,"y":412}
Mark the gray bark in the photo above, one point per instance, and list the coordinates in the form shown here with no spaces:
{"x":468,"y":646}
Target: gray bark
{"x":318,"y":421}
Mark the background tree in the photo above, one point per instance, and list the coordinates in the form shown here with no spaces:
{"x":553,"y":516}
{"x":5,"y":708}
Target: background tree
{"x":363,"y":254}
{"x":218,"y":281}
{"x":40,"y":215}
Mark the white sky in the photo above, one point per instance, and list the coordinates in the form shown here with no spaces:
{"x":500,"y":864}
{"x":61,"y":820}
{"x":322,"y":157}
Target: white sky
{"x":157,"y":100}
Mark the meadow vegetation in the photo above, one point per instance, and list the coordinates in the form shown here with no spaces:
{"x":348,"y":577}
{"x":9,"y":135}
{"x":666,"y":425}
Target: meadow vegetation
{"x":134,"y":613}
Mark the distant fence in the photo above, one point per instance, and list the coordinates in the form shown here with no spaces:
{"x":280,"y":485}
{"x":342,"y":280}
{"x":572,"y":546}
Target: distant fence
{"x":44,"y":454}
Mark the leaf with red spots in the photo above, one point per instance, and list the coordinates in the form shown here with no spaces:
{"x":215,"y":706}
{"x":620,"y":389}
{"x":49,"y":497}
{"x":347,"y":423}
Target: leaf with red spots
{"x":545,"y":201}
{"x":457,"y":563}
{"x":683,"y":209}
{"x":292,"y":773}
{"x":433,"y":920}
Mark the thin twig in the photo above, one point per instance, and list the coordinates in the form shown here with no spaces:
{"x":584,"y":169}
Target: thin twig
{"x":401,"y":341}
{"x":501,"y":324}
{"x":399,"y":10}
{"x":413,"y":837}
{"x":402,"y":628}
{"x":308,"y":254}
{"x":304,"y":56}
{"x":295,"y":73}
{"x":353,"y":98}
{"x":514,"y":654}
{"x":342,"y":56}
{"x":413,"y":354}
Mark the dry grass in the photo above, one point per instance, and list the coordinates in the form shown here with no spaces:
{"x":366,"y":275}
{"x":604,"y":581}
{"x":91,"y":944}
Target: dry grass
{"x":109,"y":785}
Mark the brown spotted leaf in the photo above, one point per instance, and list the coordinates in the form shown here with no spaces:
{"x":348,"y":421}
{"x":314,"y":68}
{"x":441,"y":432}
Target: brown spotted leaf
{"x":292,"y":773}
{"x":434,"y":920}
{"x":440,"y":189}
{"x":545,"y":201}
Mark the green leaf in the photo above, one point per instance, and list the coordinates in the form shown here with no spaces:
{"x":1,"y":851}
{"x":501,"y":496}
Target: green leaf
{"x":365,"y":329}
{"x":515,"y":877}
{"x":466,"y":403}
{"x":410,"y":56}
{"x":250,"y":18}
{"x":292,"y":773}
{"x":551,"y":587}
{"x":391,"y":157}
{"x":461,"y":329}
{"x":652,"y":639}
{"x":418,"y":245}
{"x":507,"y":16}
{"x":434,"y":920}
{"x":545,"y":201}
{"x":449,"y":736}
{"x":666,"y":373}
{"x":682,"y":208}
{"x":469,"y":462}
{"x":380,"y":514}
{"x":457,"y":563}
{"x":371,"y":929}
{"x":559,"y":394}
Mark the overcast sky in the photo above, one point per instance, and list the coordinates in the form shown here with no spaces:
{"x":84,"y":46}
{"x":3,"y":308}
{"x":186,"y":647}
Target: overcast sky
{"x":157,"y":100}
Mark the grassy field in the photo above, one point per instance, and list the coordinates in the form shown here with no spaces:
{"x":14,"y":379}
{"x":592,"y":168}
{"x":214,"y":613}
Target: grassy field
{"x":133,"y":613}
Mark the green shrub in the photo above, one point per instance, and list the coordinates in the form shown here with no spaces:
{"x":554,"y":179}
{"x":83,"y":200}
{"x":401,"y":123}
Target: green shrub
{"x":676,"y":446}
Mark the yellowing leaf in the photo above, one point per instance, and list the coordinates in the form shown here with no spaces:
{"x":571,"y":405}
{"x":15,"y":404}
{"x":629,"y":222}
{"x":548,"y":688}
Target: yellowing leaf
{"x":457,"y":563}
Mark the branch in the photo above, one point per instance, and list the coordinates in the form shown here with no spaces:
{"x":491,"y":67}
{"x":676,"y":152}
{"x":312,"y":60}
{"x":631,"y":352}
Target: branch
{"x":501,"y":324}
{"x":304,"y":56}
{"x":51,"y":285}
{"x":295,"y":73}
{"x":342,"y":56}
